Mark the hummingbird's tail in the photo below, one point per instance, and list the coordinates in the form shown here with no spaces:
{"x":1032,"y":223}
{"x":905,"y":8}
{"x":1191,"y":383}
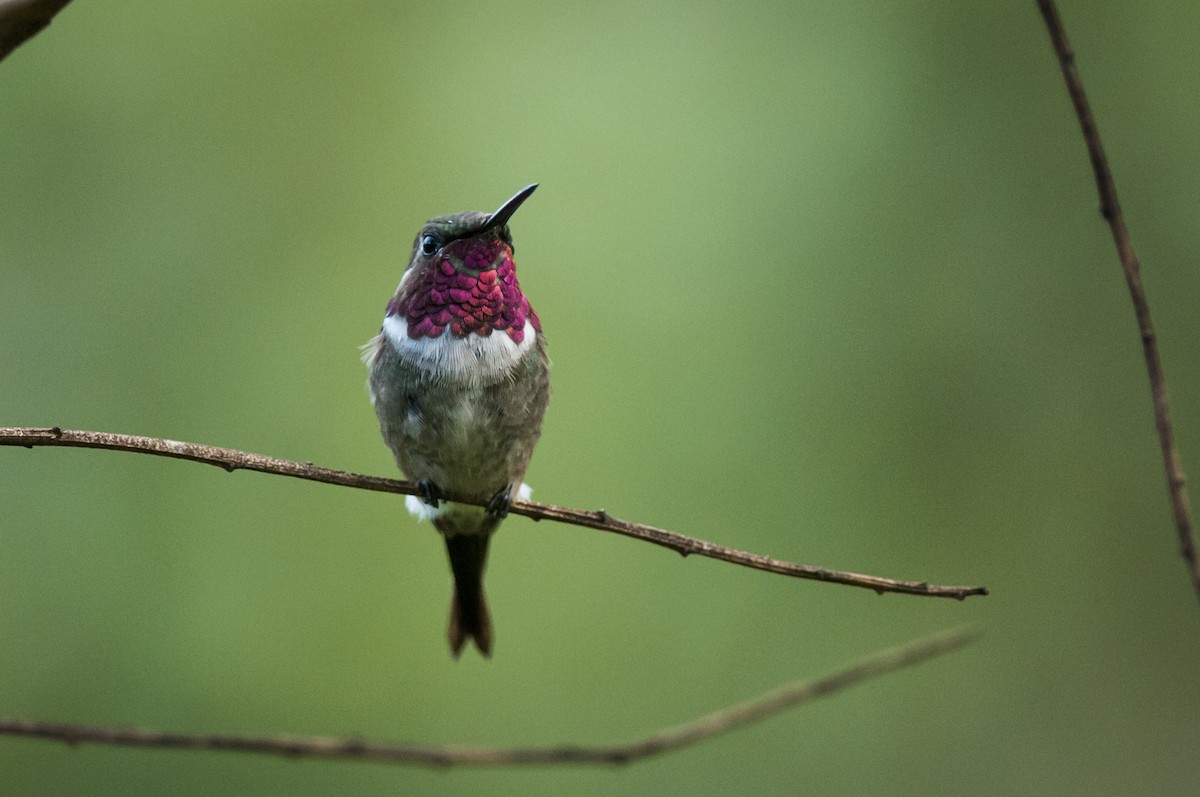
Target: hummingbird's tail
{"x":469,"y":618}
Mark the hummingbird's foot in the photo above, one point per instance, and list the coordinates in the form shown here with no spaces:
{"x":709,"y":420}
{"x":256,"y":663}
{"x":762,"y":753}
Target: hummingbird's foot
{"x":501,"y":501}
{"x":430,"y":493}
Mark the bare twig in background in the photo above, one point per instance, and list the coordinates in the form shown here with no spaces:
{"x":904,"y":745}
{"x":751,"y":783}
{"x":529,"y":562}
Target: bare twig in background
{"x":232,"y":460}
{"x":22,"y":19}
{"x":1110,"y":208}
{"x":662,"y":741}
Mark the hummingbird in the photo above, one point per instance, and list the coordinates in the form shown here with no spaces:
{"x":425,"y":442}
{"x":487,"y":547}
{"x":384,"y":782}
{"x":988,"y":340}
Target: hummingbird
{"x":459,"y":379}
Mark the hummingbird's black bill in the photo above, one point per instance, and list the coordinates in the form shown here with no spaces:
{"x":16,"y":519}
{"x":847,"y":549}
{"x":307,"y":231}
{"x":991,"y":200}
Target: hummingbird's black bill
{"x":501,"y":216}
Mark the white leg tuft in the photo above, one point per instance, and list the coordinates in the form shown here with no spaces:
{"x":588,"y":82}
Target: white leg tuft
{"x":422,"y":510}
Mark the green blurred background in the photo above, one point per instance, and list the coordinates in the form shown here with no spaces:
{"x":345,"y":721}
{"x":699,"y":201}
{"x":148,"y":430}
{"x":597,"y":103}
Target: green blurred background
{"x":825,"y":282}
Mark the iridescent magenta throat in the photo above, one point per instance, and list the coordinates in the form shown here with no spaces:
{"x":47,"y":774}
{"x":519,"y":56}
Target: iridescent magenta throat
{"x":475,"y":297}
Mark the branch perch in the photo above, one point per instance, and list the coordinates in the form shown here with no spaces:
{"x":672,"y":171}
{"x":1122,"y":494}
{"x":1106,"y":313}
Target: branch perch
{"x":1110,"y":209}
{"x":232,"y":460}
{"x":662,"y":741}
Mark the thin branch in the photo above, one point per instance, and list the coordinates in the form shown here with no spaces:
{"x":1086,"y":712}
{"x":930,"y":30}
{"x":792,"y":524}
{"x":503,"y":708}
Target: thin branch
{"x":662,"y":741}
{"x":22,"y":19}
{"x":1110,"y":208}
{"x":232,"y":460}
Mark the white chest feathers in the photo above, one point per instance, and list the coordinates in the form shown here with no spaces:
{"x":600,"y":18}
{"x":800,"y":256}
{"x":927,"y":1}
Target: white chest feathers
{"x":474,"y":359}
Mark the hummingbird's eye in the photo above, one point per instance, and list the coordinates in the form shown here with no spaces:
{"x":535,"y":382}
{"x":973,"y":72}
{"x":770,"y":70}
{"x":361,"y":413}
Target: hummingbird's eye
{"x":429,"y":245}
